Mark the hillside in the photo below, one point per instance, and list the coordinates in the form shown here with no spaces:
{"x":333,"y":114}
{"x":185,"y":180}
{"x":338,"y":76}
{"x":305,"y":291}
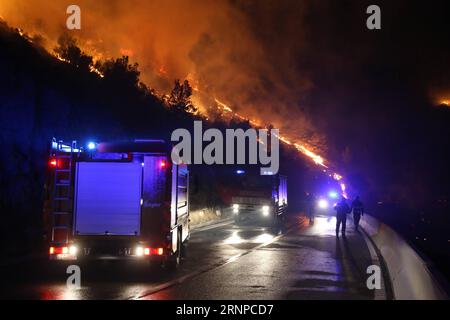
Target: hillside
{"x":43,"y":97}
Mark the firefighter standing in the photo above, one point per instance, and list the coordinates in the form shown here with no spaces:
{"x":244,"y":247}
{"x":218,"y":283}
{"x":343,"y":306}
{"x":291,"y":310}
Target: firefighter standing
{"x":310,"y":204}
{"x":358,"y":211}
{"x":342,"y":209}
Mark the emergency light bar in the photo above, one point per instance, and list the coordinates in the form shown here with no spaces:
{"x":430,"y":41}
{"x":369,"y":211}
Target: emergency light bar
{"x":91,"y":145}
{"x":63,"y":147}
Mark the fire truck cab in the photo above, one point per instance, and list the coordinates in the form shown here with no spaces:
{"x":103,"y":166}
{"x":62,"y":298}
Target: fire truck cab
{"x":116,"y":200}
{"x":258,"y":197}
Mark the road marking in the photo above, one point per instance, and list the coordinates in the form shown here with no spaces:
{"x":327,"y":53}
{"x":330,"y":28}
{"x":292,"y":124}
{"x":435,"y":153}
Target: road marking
{"x":378,"y":294}
{"x":222,"y":263}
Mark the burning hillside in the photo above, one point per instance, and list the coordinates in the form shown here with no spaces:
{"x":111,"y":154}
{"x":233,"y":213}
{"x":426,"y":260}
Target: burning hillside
{"x":233,"y":72}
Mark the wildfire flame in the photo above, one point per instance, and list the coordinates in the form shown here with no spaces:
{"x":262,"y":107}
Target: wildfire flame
{"x":225,"y":110}
{"x":300,"y":147}
{"x":317,"y":159}
{"x":91,"y":68}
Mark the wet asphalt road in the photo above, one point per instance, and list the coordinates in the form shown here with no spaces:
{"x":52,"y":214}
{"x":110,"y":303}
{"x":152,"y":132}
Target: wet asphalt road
{"x":225,"y":261}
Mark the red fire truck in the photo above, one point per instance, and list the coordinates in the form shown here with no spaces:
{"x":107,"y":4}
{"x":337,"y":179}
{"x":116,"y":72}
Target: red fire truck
{"x":116,"y":200}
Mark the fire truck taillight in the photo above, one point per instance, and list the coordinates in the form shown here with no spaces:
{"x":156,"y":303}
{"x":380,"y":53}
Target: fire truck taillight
{"x":63,"y":253}
{"x":162,"y":164}
{"x":63,"y":250}
{"x":53,"y":163}
{"x":154,"y":251}
{"x":140,"y":251}
{"x":58,"y":250}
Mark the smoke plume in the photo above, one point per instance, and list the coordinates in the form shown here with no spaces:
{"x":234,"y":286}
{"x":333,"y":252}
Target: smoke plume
{"x":243,"y":53}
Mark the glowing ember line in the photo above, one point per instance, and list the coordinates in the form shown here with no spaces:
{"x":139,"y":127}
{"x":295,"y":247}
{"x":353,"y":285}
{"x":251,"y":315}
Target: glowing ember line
{"x":223,"y":105}
{"x":91,"y":68}
{"x":57,"y":56}
{"x":95,"y":70}
{"x":317,"y":159}
{"x":303,"y":149}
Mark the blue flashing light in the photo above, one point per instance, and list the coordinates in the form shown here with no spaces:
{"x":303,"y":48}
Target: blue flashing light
{"x":240,"y":171}
{"x":333,"y":194}
{"x":91,"y":146}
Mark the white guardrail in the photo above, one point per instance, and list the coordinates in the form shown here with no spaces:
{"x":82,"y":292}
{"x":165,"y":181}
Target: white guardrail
{"x":409,"y":274}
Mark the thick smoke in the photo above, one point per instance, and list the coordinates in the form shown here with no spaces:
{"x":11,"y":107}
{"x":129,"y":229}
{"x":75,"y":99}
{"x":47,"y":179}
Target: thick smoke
{"x":307,"y":67}
{"x":244,"y":53}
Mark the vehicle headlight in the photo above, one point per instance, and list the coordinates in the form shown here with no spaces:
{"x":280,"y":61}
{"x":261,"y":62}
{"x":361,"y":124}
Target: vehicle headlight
{"x":235,"y":208}
{"x":139,"y":251}
{"x":265,"y":210}
{"x":322,"y":204}
{"x":73,"y":250}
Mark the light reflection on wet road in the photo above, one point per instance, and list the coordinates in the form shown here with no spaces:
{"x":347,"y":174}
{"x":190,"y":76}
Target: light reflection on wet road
{"x":298,"y":261}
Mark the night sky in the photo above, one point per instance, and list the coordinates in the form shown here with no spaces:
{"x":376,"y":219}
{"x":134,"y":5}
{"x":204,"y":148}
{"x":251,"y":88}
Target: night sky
{"x":377,"y":95}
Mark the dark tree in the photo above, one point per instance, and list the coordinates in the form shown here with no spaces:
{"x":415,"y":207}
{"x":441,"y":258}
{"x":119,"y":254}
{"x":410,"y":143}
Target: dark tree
{"x":120,"y":72}
{"x":180,"y":97}
{"x":68,"y":50}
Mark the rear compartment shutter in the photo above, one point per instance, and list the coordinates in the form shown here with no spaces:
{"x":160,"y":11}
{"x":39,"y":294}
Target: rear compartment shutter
{"x":108,"y":198}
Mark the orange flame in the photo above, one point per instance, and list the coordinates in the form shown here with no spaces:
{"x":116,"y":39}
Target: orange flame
{"x":91,"y":68}
{"x":300,"y":147}
{"x":171,"y":35}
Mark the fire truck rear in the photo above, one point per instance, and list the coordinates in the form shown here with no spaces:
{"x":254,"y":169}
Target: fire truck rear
{"x":116,"y":200}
